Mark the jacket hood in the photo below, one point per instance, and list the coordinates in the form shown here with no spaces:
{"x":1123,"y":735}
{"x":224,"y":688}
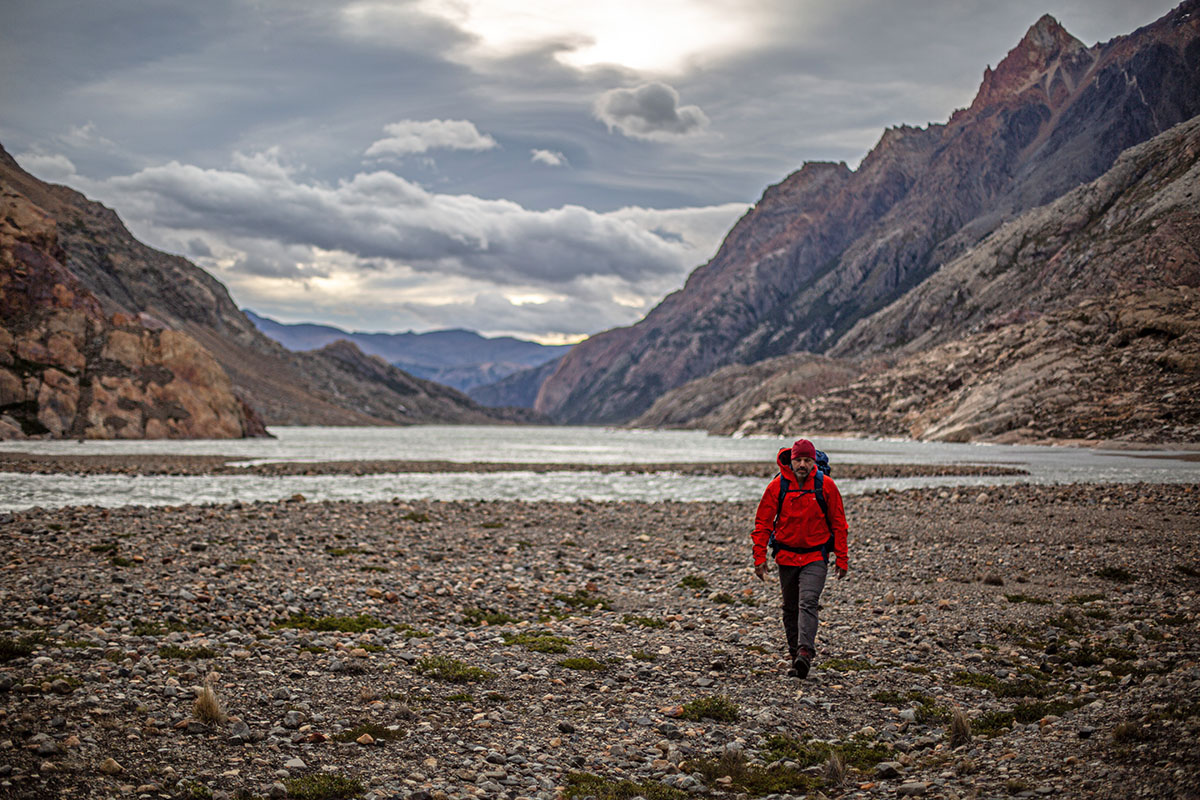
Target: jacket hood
{"x":784,"y":460}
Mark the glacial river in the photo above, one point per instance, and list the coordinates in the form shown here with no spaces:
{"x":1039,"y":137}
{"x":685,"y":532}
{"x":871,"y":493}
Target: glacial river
{"x":535,"y":444}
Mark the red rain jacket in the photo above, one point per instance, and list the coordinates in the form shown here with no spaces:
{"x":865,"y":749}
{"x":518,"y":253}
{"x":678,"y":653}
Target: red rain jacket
{"x":801,"y":521}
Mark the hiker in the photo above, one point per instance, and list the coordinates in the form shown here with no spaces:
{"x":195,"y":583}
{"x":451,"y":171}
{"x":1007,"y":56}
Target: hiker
{"x":802,"y":535}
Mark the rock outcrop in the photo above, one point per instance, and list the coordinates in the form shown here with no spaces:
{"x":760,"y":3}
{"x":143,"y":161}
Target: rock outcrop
{"x":828,"y":246}
{"x":68,"y":370}
{"x":730,"y":395}
{"x":175,"y":310}
{"x":1118,"y":368}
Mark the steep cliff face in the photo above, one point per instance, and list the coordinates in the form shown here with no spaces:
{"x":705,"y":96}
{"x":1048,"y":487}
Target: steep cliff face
{"x":68,"y":370}
{"x":1077,"y":320}
{"x":176,"y":301}
{"x":828,"y":247}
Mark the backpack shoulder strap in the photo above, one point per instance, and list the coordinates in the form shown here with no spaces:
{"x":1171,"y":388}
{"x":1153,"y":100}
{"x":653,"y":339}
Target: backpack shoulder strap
{"x":784,"y":486}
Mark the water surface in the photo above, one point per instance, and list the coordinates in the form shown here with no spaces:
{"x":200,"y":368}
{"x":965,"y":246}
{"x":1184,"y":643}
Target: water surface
{"x":541,"y":444}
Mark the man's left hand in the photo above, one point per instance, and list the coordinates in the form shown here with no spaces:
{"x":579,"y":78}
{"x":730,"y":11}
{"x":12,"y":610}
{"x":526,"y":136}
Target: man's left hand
{"x":841,"y":572}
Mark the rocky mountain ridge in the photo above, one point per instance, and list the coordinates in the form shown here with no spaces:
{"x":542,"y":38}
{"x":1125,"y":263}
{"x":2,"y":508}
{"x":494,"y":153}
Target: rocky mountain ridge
{"x":172,"y":297}
{"x":828,"y":246}
{"x":1124,"y":363}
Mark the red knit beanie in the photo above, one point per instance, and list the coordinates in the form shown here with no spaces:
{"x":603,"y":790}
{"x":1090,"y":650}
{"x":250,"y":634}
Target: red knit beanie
{"x":803,"y":448}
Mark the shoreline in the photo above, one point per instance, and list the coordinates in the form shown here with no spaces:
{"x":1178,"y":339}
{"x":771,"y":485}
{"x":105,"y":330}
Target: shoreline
{"x":1063,"y":620}
{"x":223,"y":465}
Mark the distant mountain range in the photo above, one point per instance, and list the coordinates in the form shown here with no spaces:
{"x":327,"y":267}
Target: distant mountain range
{"x":930,"y":242}
{"x":458,"y":358}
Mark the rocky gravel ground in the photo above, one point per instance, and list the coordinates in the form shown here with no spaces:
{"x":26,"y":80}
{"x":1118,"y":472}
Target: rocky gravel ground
{"x":435,"y":650}
{"x":222,"y":465}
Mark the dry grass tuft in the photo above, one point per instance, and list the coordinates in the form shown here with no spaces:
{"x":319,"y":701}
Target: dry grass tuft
{"x":835,"y":770}
{"x":960,"y":728}
{"x":207,"y":707}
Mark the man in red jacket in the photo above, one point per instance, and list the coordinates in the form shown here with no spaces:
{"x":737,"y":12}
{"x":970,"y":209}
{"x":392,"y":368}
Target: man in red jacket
{"x":805,"y":537}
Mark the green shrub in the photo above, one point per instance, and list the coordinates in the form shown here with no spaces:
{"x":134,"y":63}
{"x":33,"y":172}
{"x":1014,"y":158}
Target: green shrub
{"x":451,"y":670}
{"x":723,"y":597}
{"x":492,"y":525}
{"x":641,"y":655}
{"x":718,"y":707}
{"x":644,"y":622}
{"x":586,"y":664}
{"x":694,"y":582}
{"x":414,"y":516}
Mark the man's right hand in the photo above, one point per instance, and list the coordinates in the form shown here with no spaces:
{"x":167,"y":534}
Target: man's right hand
{"x":760,"y":571}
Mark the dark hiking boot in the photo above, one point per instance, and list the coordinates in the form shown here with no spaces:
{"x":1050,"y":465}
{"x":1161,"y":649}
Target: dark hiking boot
{"x":791,"y":673}
{"x":801,"y":664}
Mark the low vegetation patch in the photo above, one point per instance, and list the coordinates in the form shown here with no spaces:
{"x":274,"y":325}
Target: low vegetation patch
{"x":583,"y":599}
{"x":859,"y":752}
{"x":337,"y":552}
{"x":693,"y":582}
{"x":723,"y":597}
{"x":718,"y":707}
{"x":492,"y":525}
{"x":641,"y":655}
{"x":484,"y":616}
{"x":1025,"y":687}
{"x":539,"y":642}
{"x":451,"y":670}
{"x":754,"y":779}
{"x":992,"y":722}
{"x":644,"y":622}
{"x":416,"y":516}
{"x":376,"y":731}
{"x":1027,"y":598}
{"x":359,"y":624}
{"x":21,"y":647}
{"x":1081,"y":599}
{"x":584,"y":784}
{"x":323,"y":786}
{"x":586,"y":664}
{"x":186,"y":653}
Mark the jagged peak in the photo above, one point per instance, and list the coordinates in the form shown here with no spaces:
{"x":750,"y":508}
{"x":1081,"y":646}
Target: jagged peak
{"x":1045,"y":43}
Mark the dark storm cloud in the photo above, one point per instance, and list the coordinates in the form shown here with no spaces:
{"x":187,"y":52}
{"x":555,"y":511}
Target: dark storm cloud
{"x":650,"y":111}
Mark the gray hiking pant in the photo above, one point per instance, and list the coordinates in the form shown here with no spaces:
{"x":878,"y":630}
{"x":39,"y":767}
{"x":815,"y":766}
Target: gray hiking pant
{"x":802,"y":588}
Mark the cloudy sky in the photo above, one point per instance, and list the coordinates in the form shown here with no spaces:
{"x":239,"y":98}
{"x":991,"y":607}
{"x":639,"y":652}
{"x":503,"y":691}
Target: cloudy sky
{"x":529,"y":167}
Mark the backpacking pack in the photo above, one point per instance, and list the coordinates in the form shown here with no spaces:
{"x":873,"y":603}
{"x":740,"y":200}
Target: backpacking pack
{"x":785,"y":486}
